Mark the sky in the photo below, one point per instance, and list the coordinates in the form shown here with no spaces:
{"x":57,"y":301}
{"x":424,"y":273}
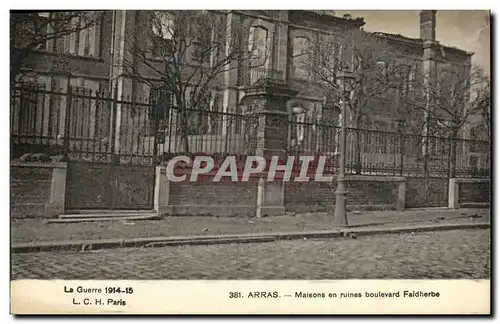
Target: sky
{"x":466,"y":29}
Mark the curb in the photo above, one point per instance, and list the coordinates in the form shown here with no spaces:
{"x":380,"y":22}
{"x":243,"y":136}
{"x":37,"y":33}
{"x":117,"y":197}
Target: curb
{"x":90,"y":245}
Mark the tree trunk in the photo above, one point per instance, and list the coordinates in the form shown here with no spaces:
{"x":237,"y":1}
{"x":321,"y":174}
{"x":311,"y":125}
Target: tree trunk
{"x":155,"y":139}
{"x":453,"y":152}
{"x":184,"y":131}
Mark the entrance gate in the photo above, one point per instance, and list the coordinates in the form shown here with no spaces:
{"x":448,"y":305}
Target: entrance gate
{"x":109,"y":145}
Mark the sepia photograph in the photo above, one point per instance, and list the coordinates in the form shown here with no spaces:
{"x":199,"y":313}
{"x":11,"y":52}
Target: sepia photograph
{"x":250,"y":145}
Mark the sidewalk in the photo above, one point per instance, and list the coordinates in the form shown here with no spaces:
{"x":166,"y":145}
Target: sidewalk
{"x":34,"y":231}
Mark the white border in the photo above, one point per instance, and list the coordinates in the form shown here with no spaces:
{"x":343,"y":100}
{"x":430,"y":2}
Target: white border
{"x":128,"y":4}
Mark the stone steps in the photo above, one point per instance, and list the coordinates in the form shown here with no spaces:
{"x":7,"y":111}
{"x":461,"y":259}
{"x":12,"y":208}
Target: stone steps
{"x":77,"y":216}
{"x":107,"y":211}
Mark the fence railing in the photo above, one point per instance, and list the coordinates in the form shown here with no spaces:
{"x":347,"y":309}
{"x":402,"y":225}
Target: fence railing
{"x":97,"y":126}
{"x":375,"y":152}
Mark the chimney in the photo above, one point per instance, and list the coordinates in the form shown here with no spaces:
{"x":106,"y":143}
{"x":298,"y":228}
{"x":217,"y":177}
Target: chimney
{"x":428,"y":25}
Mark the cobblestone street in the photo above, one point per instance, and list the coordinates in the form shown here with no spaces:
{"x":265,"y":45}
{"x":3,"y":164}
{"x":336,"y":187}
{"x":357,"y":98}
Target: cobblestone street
{"x":449,"y":254}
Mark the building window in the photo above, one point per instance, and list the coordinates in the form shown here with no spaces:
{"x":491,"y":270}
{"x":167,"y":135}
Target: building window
{"x":412,"y":79}
{"x":198,"y":54}
{"x":159,"y":111}
{"x":81,"y":113}
{"x":298,"y":131}
{"x":162,"y":26}
{"x":27,"y":104}
{"x":347,"y":55}
{"x":38,"y":30}
{"x":301,"y":57}
{"x":75,"y":33}
{"x":336,"y":59}
{"x":201,"y":50}
{"x":86,"y":42}
{"x":207,"y":117}
{"x":324,"y":59}
{"x":258,"y":45}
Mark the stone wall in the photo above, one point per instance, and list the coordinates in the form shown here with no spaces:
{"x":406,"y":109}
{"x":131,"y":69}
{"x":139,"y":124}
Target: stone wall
{"x":478,"y":192}
{"x":208,"y":198}
{"x":37,"y":189}
{"x":469,"y":193}
{"x":309,"y":196}
{"x":364,"y":192}
{"x":258,"y":197}
{"x":426,"y":192}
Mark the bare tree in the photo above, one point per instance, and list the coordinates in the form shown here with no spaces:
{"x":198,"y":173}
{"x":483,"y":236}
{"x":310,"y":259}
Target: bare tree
{"x":30,"y":31}
{"x":376,"y":67}
{"x":377,"y":70}
{"x":450,"y":106}
{"x":481,"y":102}
{"x":195,"y":49}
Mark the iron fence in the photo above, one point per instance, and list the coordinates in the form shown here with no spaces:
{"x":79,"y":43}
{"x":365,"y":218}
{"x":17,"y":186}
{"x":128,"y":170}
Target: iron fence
{"x":98,"y":126}
{"x":374,"y":152}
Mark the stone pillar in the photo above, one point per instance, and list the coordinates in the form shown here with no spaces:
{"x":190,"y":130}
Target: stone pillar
{"x":55,"y":205}
{"x":267,"y":135}
{"x":282,"y":44}
{"x":402,"y":195}
{"x":233,"y":22}
{"x":453,"y":191}
{"x":230,"y":94}
{"x":230,"y":99}
{"x":161,"y":193}
{"x":122,"y":61}
{"x":429,"y":71}
{"x":270,"y":197}
{"x":38,"y":189}
{"x":95,"y":39}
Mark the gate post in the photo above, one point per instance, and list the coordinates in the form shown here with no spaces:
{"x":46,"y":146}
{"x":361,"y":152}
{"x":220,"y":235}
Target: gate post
{"x":161,"y":193}
{"x":453,"y":193}
{"x":401,"y":205}
{"x":40,"y":190}
{"x":266,"y":102}
{"x":56,"y":204}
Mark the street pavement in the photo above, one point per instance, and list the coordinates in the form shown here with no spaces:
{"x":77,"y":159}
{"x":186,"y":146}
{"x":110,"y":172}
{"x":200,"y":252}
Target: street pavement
{"x":36,"y":230}
{"x":448,"y":254}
